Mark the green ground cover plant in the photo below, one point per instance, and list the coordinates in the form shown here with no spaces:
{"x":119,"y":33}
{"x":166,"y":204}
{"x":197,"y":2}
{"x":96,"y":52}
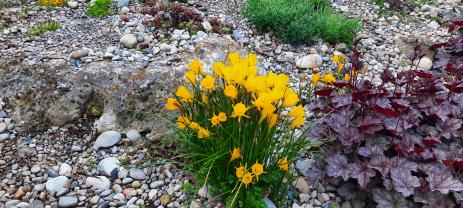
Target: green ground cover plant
{"x":300,"y":21}
{"x":43,"y":28}
{"x":99,"y":9}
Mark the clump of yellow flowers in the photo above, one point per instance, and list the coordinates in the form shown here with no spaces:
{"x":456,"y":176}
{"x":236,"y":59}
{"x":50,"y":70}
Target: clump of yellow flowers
{"x":241,"y":129}
{"x":52,"y":2}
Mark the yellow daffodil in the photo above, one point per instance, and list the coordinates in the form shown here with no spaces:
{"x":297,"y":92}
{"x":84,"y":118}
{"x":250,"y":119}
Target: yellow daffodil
{"x":262,"y":100}
{"x":203,"y":133}
{"x":208,"y":82}
{"x":204,"y":98}
{"x":183,"y":121}
{"x":315,"y":78}
{"x":291,"y":98}
{"x":193,"y":125}
{"x":231,"y":91}
{"x":172,"y":104}
{"x":183,"y":93}
{"x":340,"y":67}
{"x":297,"y":122}
{"x":235,"y":154}
{"x":247,"y":179}
{"x":257,"y":169}
{"x":240,"y":171}
{"x":266,"y":111}
{"x":191,"y":76}
{"x":217,"y":68}
{"x":283,"y":164}
{"x":272,"y":79}
{"x":234,"y":58}
{"x":272,"y":120}
{"x":222,"y":117}
{"x":328,"y":78}
{"x":347,"y":77}
{"x":251,"y":59}
{"x":239,"y":111}
{"x":196,"y":66}
{"x":338,"y":58}
{"x":255,"y":83}
{"x":297,"y":111}
{"x":215,"y":120}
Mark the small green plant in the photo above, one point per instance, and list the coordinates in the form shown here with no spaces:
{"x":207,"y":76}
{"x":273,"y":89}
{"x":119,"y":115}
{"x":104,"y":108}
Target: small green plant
{"x":43,"y":28}
{"x":96,"y":111}
{"x":99,"y":9}
{"x":91,"y":162}
{"x":300,"y":21}
{"x":187,"y":187}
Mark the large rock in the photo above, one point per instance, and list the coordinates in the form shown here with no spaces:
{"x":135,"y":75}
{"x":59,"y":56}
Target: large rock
{"x":107,"y":139}
{"x":128,"y":40}
{"x":54,"y":93}
{"x":310,"y":61}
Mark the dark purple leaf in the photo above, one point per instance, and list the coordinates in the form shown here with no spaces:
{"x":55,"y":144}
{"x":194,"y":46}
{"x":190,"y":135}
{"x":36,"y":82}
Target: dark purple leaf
{"x":342,"y":100}
{"x":389,"y":199}
{"x":362,"y":173}
{"x":370,"y":125}
{"x":449,"y":127}
{"x":443,"y":182}
{"x":403,"y":181}
{"x":382,"y":164}
{"x":338,"y":166}
{"x":370,"y":151}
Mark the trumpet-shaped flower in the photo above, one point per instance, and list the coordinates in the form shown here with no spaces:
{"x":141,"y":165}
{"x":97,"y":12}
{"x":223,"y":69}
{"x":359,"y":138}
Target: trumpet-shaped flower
{"x":193,"y":125}
{"x":183,"y":93}
{"x":239,"y":111}
{"x":234,"y":58}
{"x":222,"y":117}
{"x":328,"y":78}
{"x":208,"y":82}
{"x":231,"y":91}
{"x":255,"y":83}
{"x":235,"y":154}
{"x":340,"y":67}
{"x":297,"y":122}
{"x":215,"y":120}
{"x":266,"y":111}
{"x":297,"y":111}
{"x":283,"y":164}
{"x":240,"y":171}
{"x":257,"y":169}
{"x":315,"y":78}
{"x":183,"y":121}
{"x":247,"y":179}
{"x":191,"y":76}
{"x":196,"y":67}
{"x":291,"y":98}
{"x":272,"y":120}
{"x":217,"y":68}
{"x":338,"y":58}
{"x":172,"y":104}
{"x":203,"y":133}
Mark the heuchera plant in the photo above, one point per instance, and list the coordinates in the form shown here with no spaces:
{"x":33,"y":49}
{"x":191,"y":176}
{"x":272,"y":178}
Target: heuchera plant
{"x":401,"y":140}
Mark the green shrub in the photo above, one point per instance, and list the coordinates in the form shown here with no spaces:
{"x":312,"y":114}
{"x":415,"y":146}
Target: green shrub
{"x":100,"y":8}
{"x":300,"y":21}
{"x":45,"y":27}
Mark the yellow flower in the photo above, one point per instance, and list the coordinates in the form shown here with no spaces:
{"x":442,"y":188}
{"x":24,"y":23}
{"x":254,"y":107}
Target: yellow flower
{"x":255,"y":83}
{"x":222,"y":117}
{"x":204,"y":98}
{"x":297,"y":111}
{"x":239,"y":111}
{"x":235,"y":154}
{"x":203,"y":133}
{"x":340,"y":67}
{"x":329,"y":78}
{"x":231,"y":91}
{"x":272,"y":120}
{"x":240,"y":171}
{"x":347,"y":77}
{"x":283,"y":164}
{"x":208,"y":82}
{"x":247,"y":179}
{"x":196,"y":66}
{"x":267,"y":110}
{"x":191,"y":76}
{"x":234,"y":58}
{"x":298,"y":121}
{"x":257,"y":169}
{"x":338,"y":58}
{"x":194,"y":125}
{"x":217,"y":68}
{"x":172,"y":104}
{"x":291,"y":98}
{"x":315,"y":78}
{"x":215,"y":120}
{"x":182,"y":121}
{"x":262,"y":100}
{"x":184,"y":94}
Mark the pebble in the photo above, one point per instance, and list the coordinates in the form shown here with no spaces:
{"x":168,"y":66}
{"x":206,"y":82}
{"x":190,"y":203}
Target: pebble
{"x":107,"y":165}
{"x":67,"y":201}
{"x":65,"y":170}
{"x":72,"y":4}
{"x":301,"y":185}
{"x":100,"y":182}
{"x":137,"y":174}
{"x":107,"y":139}
{"x":57,"y":184}
{"x":133,"y":134}
{"x":310,"y":61}
{"x":128,"y":40}
{"x":79,"y":54}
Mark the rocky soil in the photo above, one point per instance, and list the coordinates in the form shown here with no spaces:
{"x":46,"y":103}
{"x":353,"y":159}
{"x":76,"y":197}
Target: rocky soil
{"x":81,"y":107}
